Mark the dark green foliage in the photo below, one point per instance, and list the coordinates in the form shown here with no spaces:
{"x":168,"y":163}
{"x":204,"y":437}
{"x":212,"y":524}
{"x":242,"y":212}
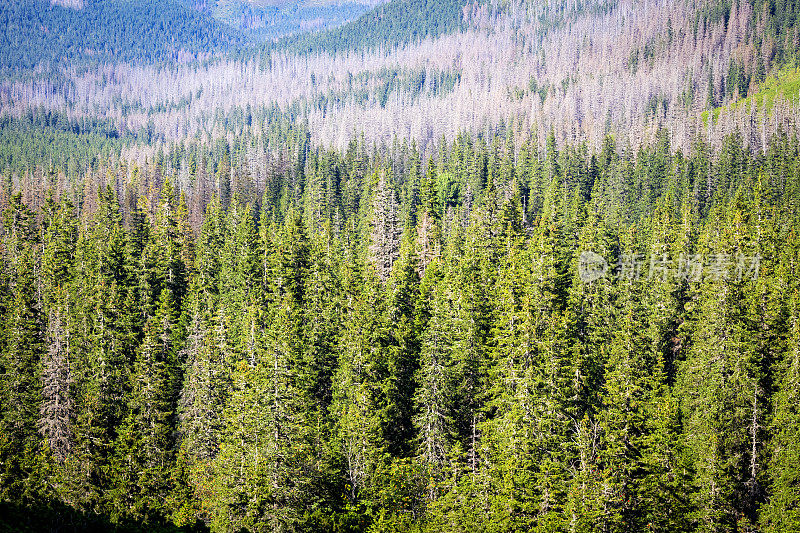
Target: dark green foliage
{"x":37,"y":31}
{"x":391,"y":24}
{"x":23,"y":348}
{"x":370,"y":341}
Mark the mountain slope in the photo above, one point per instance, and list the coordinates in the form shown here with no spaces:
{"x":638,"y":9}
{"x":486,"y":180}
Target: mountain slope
{"x":268,"y":19}
{"x":393,"y":23}
{"x":37,"y":31}
{"x":417,"y":69}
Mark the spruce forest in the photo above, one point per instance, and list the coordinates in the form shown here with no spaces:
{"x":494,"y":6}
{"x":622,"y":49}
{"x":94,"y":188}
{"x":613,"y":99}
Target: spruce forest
{"x":488,"y":266}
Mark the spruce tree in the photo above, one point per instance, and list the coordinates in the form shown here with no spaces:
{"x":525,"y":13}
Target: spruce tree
{"x":20,"y":390}
{"x":145,"y":448}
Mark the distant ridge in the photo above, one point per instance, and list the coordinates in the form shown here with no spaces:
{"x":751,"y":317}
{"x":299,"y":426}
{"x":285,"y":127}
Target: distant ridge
{"x":40,"y":31}
{"x":394,"y":23}
{"x":272,"y":19}
{"x":74,"y":4}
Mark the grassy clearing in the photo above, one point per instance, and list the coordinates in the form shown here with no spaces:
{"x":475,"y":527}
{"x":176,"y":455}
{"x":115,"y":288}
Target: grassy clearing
{"x":786,"y":83}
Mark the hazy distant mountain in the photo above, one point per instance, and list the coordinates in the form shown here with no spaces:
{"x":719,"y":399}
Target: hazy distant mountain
{"x":276,"y":18}
{"x":74,"y":4}
{"x":37,"y":31}
{"x":416,"y":68}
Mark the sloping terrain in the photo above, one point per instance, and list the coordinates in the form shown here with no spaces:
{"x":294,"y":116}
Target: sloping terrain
{"x":268,"y":19}
{"x":419,"y":69}
{"x":483,"y":266}
{"x":38,"y":31}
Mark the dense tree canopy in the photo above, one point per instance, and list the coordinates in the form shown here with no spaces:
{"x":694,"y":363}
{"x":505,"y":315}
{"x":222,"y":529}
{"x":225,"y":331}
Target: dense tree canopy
{"x":452,"y":266}
{"x":377,"y":342}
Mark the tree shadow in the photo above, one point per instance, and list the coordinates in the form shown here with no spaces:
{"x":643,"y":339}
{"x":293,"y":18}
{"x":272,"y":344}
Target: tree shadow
{"x":55,"y":517}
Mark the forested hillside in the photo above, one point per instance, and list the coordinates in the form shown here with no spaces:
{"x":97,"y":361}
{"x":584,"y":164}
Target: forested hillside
{"x":381,"y":343}
{"x":39,"y":32}
{"x":430,"y":69}
{"x":394,"y":23}
{"x":277,"y":18}
{"x":447,"y":267}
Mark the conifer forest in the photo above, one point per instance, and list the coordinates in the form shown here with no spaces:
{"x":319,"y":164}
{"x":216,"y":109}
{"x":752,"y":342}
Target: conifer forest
{"x":400,"y":266}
